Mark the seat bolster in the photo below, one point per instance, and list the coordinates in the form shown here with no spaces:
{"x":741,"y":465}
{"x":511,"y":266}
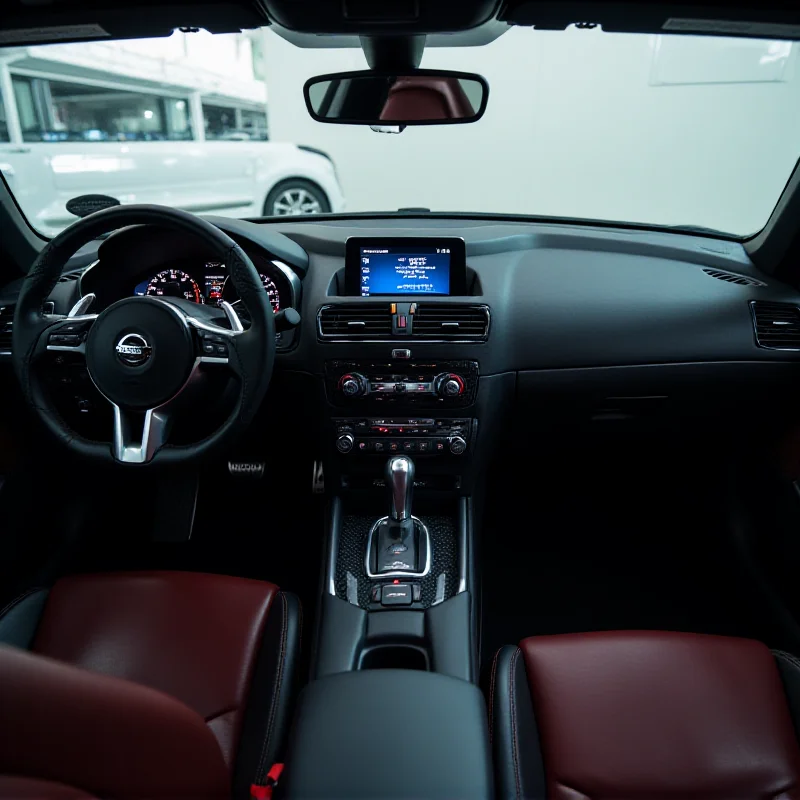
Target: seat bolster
{"x":272,"y":694}
{"x":519,"y":771}
{"x":102,"y":735}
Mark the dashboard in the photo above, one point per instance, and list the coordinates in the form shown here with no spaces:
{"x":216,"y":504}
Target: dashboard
{"x":569,"y":317}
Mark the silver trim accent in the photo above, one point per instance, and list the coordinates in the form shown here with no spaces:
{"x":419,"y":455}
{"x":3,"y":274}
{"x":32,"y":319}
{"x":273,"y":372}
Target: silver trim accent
{"x":81,"y":276}
{"x":352,"y":589}
{"x":441,"y":583}
{"x":333,"y":544}
{"x":295,"y":285}
{"x":399,"y":573}
{"x":233,"y":317}
{"x":464,"y":517}
{"x":154,"y":428}
{"x":82,"y":305}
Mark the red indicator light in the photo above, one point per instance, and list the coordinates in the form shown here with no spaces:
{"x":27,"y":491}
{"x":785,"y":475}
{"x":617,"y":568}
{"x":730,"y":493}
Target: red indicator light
{"x":395,"y":581}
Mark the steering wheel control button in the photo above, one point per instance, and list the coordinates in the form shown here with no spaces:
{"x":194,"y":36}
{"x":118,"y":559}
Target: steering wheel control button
{"x":396,"y":594}
{"x":64,"y":339}
{"x":133,"y":350}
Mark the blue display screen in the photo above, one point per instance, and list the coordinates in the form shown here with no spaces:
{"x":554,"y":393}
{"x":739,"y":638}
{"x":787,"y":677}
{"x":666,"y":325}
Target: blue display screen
{"x":404,"y":270}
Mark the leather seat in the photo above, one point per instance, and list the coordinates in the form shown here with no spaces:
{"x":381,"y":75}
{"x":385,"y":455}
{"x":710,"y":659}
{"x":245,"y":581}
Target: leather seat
{"x":628,"y":715}
{"x":223,"y":649}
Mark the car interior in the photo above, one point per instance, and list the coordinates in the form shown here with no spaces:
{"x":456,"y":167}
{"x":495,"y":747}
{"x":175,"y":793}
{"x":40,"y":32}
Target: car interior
{"x":275,"y":523}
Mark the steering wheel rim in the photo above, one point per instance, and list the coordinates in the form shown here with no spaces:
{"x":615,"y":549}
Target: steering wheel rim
{"x":250,"y":353}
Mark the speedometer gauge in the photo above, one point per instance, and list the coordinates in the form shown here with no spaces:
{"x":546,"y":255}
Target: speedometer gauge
{"x":229,"y":292}
{"x":175,"y":283}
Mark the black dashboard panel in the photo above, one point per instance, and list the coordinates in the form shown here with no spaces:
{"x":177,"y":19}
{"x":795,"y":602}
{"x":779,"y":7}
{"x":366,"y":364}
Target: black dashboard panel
{"x":564,"y":296}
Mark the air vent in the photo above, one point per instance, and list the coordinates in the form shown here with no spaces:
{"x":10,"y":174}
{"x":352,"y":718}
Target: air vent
{"x":356,"y":321}
{"x":732,"y":277}
{"x":6,"y":322}
{"x":72,"y":275}
{"x":448,"y":321}
{"x":777,"y":325}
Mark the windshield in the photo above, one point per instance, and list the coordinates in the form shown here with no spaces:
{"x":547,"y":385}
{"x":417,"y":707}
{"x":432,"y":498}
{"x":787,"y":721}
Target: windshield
{"x":580,"y":124}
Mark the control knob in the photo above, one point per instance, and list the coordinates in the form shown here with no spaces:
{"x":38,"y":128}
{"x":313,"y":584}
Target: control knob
{"x":458,"y":445}
{"x":448,"y":384}
{"x":344,"y":444}
{"x":353,"y":384}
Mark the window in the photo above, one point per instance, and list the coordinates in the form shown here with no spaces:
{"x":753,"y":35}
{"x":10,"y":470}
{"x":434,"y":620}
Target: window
{"x":29,"y":115}
{"x":255,"y":123}
{"x":56,"y":111}
{"x":234,"y":124}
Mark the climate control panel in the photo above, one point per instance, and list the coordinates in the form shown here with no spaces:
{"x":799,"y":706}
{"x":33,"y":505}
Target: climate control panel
{"x":412,"y":435}
{"x":425,"y":384}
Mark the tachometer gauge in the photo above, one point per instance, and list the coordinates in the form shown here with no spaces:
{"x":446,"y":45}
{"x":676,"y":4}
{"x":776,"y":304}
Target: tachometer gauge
{"x":229,"y":292}
{"x":175,"y":283}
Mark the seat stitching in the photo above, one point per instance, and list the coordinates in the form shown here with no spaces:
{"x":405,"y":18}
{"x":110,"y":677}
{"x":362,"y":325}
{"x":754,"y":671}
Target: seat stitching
{"x":492,"y":677}
{"x":514,"y":721}
{"x":276,"y":690}
{"x":18,"y":599}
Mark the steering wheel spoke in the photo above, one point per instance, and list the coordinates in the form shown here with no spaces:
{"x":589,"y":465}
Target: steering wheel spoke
{"x":138,"y":436}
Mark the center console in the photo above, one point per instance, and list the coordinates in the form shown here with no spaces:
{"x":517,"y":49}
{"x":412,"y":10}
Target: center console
{"x":403,"y":387}
{"x":437,"y":746}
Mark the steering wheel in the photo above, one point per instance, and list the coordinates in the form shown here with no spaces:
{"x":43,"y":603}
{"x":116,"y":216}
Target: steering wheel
{"x":146,"y":355}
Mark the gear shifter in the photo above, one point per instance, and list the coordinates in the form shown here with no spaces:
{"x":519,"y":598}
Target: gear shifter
{"x":400,"y":480}
{"x":399,"y":544}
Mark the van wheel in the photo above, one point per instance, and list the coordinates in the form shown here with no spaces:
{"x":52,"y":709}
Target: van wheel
{"x":296,"y":196}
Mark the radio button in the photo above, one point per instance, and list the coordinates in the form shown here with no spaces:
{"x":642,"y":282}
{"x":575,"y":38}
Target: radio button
{"x":378,"y":447}
{"x":409,"y":447}
{"x":423,"y":447}
{"x":394,"y":447}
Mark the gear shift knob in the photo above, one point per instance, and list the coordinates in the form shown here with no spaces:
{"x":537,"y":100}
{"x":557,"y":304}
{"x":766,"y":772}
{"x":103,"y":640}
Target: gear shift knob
{"x":400,"y":480}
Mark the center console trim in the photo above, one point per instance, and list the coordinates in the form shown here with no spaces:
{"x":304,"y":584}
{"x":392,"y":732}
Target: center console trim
{"x":398,"y":573}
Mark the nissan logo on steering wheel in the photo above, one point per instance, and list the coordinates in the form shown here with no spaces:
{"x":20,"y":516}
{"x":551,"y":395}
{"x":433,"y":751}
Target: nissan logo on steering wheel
{"x":133,"y":350}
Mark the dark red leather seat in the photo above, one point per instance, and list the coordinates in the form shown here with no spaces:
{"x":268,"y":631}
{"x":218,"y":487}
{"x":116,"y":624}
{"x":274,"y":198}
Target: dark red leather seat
{"x":225,"y":649}
{"x":631,"y":715}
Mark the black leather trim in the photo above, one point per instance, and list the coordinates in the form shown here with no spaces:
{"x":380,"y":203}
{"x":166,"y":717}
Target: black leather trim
{"x":20,"y":618}
{"x":389,"y":733}
{"x":449,"y":633}
{"x":518,"y":765}
{"x":272,"y":694}
{"x":789,"y":669}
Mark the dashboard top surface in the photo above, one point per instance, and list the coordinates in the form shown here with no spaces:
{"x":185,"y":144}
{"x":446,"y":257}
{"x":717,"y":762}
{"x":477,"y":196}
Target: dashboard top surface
{"x":560,"y":296}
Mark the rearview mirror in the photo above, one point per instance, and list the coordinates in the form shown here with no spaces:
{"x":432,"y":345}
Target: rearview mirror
{"x":384,"y":99}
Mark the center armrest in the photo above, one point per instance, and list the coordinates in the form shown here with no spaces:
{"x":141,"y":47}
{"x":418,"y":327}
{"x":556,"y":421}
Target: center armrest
{"x":389,"y":734}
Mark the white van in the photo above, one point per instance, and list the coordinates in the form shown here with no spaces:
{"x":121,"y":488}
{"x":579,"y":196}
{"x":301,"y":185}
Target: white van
{"x":61,"y":137}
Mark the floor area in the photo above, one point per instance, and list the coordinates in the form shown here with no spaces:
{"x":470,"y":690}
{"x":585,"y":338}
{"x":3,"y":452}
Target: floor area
{"x":601,"y":541}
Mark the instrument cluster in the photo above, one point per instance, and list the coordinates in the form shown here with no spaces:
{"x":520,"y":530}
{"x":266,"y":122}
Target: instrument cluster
{"x":210,"y":283}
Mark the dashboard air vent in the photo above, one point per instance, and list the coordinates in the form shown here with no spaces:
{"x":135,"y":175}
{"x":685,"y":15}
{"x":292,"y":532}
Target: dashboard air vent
{"x":356,"y":321}
{"x":777,"y":325}
{"x":732,"y":277}
{"x":448,"y":321}
{"x":72,"y":275}
{"x":6,"y":322}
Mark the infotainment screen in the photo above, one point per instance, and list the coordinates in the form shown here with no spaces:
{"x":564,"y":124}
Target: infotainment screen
{"x":410,"y":266}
